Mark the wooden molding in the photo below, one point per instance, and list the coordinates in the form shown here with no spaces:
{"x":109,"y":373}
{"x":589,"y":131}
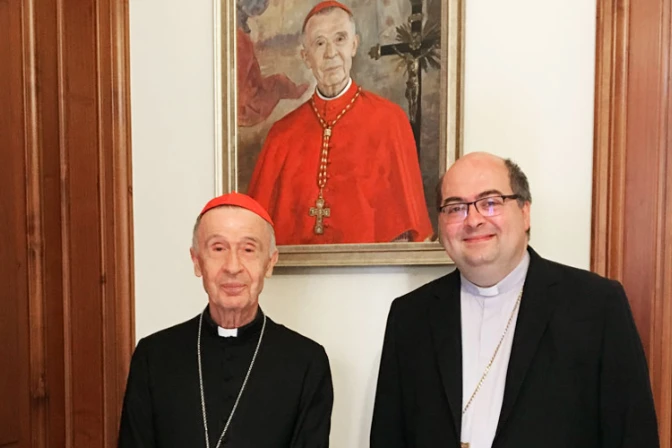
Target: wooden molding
{"x":609,"y":137}
{"x":37,"y":299}
{"x":660,"y":358}
{"x":121,"y":234}
{"x":632,"y":190}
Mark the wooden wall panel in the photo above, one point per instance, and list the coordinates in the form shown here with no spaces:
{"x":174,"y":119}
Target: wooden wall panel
{"x":46,"y":22}
{"x":14,"y":387}
{"x":81,"y":205}
{"x":67,"y":245}
{"x":646,"y":87}
{"x":632,"y":189}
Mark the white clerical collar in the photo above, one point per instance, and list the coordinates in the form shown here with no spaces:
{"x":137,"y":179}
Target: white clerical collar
{"x":227,"y":332}
{"x":515,"y":277}
{"x":347,"y":87}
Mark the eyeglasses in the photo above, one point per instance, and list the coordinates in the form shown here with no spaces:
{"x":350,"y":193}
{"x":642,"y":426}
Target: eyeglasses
{"x":455,"y":212}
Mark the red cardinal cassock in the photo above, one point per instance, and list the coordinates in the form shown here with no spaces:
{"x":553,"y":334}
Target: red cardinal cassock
{"x":373,"y":191}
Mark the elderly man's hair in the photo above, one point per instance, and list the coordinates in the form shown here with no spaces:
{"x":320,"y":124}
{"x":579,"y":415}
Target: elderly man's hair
{"x":194,"y":235}
{"x":327,"y":11}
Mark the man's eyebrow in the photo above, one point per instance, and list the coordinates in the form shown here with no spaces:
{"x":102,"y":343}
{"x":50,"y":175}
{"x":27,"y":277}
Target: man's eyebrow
{"x":212,"y":237}
{"x":453,"y":199}
{"x":245,"y":240}
{"x":489,"y":193}
{"x":483,"y":194}
{"x":252,"y":239}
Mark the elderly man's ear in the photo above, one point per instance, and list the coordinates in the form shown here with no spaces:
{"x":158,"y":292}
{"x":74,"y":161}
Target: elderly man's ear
{"x":273,"y":261}
{"x":304,"y":56}
{"x":355,"y":45}
{"x":196,"y":262}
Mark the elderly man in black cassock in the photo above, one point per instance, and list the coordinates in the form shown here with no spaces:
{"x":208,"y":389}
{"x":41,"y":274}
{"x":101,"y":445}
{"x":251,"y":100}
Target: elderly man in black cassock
{"x":229,"y":377}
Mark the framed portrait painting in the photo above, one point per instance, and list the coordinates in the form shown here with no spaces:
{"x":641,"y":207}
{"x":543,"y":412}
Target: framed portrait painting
{"x":357,"y":187}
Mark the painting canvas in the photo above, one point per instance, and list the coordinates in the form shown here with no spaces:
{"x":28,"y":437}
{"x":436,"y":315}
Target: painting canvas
{"x":410,"y":52}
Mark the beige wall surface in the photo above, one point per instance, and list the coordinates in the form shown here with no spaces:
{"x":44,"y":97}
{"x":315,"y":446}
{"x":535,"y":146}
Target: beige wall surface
{"x":529,"y":69}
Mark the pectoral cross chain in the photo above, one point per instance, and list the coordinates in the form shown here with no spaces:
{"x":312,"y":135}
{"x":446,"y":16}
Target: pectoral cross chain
{"x":320,"y":211}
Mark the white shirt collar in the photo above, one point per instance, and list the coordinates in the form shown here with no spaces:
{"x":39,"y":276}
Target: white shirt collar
{"x":227,"y":332}
{"x":515,"y":277}
{"x":347,"y":87}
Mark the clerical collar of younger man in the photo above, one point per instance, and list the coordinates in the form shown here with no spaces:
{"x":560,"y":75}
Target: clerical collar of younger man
{"x":321,"y":211}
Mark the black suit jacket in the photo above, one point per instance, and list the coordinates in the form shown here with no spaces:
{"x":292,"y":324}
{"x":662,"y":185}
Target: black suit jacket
{"x":577,"y":376}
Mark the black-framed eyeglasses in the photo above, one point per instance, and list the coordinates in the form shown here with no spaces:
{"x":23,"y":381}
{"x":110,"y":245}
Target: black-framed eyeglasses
{"x":489,"y":206}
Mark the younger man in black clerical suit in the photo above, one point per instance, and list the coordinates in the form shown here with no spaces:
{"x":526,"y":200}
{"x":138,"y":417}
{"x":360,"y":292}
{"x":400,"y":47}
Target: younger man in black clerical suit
{"x":510,"y":350}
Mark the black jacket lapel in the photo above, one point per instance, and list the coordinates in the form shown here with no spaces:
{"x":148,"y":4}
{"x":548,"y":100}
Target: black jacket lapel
{"x":536,"y":308}
{"x":445,"y":319}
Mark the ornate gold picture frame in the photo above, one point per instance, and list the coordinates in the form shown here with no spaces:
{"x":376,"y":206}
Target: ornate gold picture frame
{"x":405,"y":47}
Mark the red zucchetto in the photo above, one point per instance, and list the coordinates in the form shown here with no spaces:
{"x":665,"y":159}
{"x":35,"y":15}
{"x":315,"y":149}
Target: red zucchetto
{"x":322,"y":6}
{"x":238,"y":200}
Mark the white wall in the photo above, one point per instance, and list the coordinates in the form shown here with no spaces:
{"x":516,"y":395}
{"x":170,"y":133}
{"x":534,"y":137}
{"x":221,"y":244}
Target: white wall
{"x":528,"y":96}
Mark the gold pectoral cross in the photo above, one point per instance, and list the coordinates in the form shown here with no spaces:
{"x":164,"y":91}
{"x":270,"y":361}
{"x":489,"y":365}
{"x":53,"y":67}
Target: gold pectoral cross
{"x":464,"y":445}
{"x":319,"y":212}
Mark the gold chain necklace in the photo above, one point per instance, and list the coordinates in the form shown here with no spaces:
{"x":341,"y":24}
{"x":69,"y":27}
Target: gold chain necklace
{"x":320,"y":211}
{"x":492,"y":360}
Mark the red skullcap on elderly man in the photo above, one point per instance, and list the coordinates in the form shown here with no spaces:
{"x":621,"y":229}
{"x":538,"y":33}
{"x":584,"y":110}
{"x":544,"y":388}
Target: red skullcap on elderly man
{"x":322,"y":6}
{"x":238,"y":200}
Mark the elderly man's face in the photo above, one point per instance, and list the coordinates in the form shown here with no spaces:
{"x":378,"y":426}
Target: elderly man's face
{"x":483,"y":247}
{"x":233,"y":257}
{"x":329,"y":44}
